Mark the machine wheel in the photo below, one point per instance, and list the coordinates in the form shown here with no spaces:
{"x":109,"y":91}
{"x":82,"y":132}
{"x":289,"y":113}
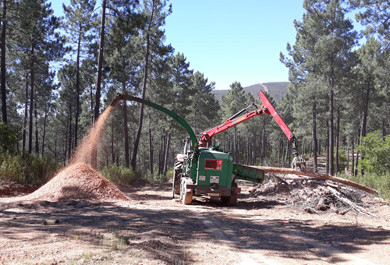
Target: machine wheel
{"x":232,"y":199}
{"x":176,"y":182}
{"x":185,"y":196}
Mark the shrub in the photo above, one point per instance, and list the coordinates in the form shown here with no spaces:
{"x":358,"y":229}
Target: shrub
{"x":376,"y":150}
{"x":26,"y":169}
{"x":8,"y":138}
{"x":119,"y":174}
{"x":342,"y":160}
{"x":160,"y":177}
{"x":381,"y":183}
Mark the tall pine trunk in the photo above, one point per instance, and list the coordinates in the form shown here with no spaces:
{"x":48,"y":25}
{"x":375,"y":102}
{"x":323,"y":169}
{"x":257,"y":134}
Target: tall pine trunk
{"x":145,"y":80}
{"x":76,"y":118}
{"x":167,"y":153}
{"x":32,"y":75}
{"x":36,"y":129}
{"x":331,"y":132}
{"x":363,"y":130}
{"x":3,"y":70}
{"x":150,"y":148}
{"x":126,"y":129}
{"x":44,"y":132}
{"x":92,"y":105}
{"x":315,"y":145}
{"x":99,"y":79}
{"x":25,"y":118}
{"x":357,"y":154}
{"x":353,"y":157}
{"x":70,"y":132}
{"x":141,"y":113}
{"x":337,"y":140}
{"x":327,"y":151}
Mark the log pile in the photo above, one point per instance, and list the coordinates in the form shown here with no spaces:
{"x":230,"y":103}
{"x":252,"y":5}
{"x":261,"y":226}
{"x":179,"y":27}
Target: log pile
{"x":280,"y":170}
{"x":315,"y":195}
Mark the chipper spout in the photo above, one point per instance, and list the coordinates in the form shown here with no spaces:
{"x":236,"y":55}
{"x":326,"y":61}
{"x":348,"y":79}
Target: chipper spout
{"x":117,"y":98}
{"x":176,"y":117}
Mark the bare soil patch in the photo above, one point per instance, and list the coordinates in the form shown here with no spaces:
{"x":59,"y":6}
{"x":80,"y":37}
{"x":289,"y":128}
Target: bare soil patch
{"x":153,"y":228}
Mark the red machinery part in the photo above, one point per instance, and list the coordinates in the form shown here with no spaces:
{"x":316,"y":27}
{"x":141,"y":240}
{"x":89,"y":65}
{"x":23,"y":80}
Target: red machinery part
{"x":265,"y":108}
{"x":209,"y":134}
{"x":269,"y":109}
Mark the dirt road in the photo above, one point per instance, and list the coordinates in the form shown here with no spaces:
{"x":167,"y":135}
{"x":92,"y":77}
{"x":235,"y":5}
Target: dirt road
{"x":154,"y":229}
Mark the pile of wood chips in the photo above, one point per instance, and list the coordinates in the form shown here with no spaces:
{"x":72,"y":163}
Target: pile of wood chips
{"x":77,"y":181}
{"x":314,"y":196}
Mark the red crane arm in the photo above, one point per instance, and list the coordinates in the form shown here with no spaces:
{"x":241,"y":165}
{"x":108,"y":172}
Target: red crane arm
{"x":265,"y":108}
{"x":269,"y":109}
{"x":209,"y":134}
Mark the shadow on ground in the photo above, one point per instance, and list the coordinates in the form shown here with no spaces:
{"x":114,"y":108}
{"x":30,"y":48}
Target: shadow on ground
{"x":162,"y":233}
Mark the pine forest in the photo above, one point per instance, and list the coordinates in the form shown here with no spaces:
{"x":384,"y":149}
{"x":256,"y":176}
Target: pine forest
{"x":59,"y":74}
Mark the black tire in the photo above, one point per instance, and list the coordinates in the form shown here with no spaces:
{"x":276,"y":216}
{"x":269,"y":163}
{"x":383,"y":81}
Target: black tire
{"x":176,"y":183}
{"x":177,"y":178}
{"x":232,"y":199}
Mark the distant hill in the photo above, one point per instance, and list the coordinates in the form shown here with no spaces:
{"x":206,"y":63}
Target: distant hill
{"x":276,"y":89}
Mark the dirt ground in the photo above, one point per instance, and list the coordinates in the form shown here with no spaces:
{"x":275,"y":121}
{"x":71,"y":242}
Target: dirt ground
{"x":153,"y":228}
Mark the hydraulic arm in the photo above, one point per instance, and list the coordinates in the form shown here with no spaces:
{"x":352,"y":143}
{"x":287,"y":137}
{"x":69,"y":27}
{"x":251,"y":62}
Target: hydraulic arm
{"x":267,"y":108}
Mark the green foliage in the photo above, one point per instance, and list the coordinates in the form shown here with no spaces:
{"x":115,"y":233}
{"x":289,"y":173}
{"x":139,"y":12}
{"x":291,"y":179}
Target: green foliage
{"x":342,"y":160}
{"x":125,"y":175}
{"x":381,"y":183}
{"x":160,"y":178}
{"x":319,"y":61}
{"x":376,"y":150}
{"x":119,"y":174}
{"x":7,"y":138}
{"x":26,"y":168}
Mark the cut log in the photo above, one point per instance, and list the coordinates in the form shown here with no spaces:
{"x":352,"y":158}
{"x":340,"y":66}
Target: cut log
{"x":279,"y":170}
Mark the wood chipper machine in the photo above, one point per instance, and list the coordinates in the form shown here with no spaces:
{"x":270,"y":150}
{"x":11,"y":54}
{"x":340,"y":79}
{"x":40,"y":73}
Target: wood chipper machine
{"x":204,"y":169}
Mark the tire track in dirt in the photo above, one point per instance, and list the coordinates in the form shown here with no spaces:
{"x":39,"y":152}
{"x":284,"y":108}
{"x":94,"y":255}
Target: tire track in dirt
{"x":244,"y":252}
{"x":252,"y":256}
{"x":329,"y":250}
{"x":229,"y":236}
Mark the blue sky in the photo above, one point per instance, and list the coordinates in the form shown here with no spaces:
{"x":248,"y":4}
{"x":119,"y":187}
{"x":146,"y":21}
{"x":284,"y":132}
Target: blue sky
{"x":230,"y":40}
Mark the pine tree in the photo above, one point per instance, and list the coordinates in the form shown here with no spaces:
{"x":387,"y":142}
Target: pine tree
{"x":122,"y":58}
{"x":79,"y":20}
{"x":152,"y":36}
{"x":323,"y":48}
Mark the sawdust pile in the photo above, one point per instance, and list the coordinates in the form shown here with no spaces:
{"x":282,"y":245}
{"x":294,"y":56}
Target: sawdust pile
{"x":77,"y":181}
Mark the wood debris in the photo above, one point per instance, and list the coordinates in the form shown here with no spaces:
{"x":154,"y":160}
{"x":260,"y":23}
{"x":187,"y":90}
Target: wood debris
{"x":315,"y":195}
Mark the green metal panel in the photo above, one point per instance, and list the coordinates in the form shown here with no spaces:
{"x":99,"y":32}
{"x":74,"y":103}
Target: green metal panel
{"x":214,"y":167}
{"x":248,"y":173}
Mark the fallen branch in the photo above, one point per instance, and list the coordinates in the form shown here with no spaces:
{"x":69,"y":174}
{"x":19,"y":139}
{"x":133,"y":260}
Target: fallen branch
{"x":345,"y":200}
{"x":316,"y":175}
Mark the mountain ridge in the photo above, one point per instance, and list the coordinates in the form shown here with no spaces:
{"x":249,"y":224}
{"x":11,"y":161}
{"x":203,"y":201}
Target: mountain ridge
{"x":276,"y":89}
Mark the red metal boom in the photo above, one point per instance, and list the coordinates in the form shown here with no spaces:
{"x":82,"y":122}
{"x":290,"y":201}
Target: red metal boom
{"x":269,"y":109}
{"x":266,"y":107}
{"x":209,"y":134}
